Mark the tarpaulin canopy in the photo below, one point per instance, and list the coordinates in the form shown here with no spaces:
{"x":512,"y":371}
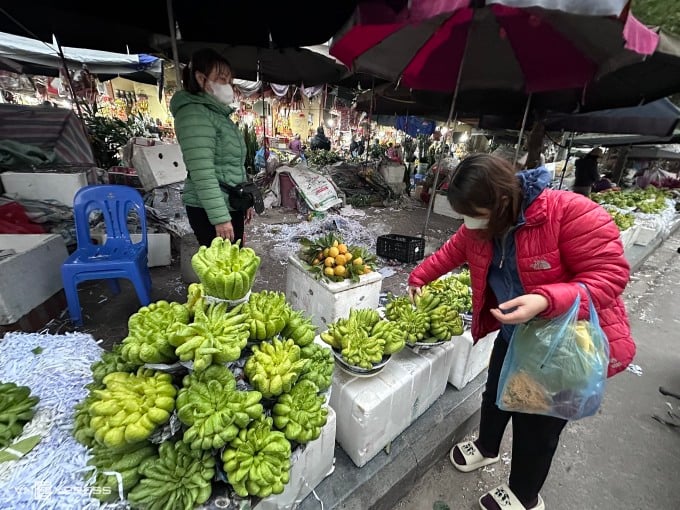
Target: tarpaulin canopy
{"x":50,"y":129}
{"x":38,"y":57}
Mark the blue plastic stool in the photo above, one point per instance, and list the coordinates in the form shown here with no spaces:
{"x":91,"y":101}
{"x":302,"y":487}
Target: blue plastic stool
{"x":118,"y":257}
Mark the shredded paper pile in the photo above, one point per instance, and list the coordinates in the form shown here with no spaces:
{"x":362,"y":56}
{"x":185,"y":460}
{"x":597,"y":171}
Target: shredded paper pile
{"x":56,"y":368}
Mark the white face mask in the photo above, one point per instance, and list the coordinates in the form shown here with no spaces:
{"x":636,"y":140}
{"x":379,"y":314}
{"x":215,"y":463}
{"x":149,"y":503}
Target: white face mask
{"x":475,"y":223}
{"x":224,"y":93}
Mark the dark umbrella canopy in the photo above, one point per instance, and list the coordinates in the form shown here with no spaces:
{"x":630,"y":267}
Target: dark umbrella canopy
{"x":309,"y":65}
{"x":113,"y":26}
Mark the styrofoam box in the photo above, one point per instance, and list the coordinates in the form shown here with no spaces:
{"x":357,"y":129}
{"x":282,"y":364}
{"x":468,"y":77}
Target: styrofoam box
{"x":308,"y":468}
{"x":646,"y":235}
{"x":469,"y":360}
{"x":325,"y":301}
{"x":32,"y":275}
{"x":373,"y":411}
{"x":159,"y":165}
{"x":443,"y":206}
{"x":44,"y":186}
{"x":159,"y":253}
{"x":629,"y":236}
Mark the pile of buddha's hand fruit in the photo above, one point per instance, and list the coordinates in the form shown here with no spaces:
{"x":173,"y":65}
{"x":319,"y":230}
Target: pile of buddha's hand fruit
{"x":196,"y":380}
{"x":364,"y":338}
{"x":226,"y":270}
{"x":329,"y":257}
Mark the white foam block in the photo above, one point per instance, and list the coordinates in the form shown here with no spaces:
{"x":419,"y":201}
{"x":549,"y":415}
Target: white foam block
{"x":44,"y":186}
{"x":325,"y":301}
{"x":159,"y":165}
{"x":373,"y":411}
{"x":469,"y":360}
{"x":308,"y":468}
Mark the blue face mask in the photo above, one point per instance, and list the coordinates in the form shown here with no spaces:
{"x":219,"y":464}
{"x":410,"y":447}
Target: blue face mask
{"x":475,"y":223}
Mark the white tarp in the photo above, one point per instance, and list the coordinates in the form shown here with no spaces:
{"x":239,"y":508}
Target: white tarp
{"x":32,"y":51}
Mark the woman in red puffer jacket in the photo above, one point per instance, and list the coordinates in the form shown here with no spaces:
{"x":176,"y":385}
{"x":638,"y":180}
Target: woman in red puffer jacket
{"x":528,"y":248}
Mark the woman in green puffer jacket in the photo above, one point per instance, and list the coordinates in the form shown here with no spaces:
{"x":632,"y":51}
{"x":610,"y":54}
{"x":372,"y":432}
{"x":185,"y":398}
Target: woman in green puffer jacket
{"x":212,"y":146}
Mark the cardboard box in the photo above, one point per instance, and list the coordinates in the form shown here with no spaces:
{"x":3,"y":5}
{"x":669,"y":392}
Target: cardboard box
{"x":325,"y":301}
{"x":32,"y":275}
{"x":469,"y":360}
{"x":442,"y":206}
{"x":309,"y":467}
{"x":61,"y":187}
{"x":159,"y":165}
{"x":373,"y":411}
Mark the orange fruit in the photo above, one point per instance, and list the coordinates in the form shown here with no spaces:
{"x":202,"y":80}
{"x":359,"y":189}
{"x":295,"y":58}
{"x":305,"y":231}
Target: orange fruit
{"x":333,"y":252}
{"x":329,"y":271}
{"x":335,"y":243}
{"x":343,"y":248}
{"x":316,"y":261}
{"x":358,"y":261}
{"x":367,"y":270}
{"x":325,"y":252}
{"x":340,"y":260}
{"x":340,"y":270}
{"x":329,"y":262}
{"x":348,"y":256}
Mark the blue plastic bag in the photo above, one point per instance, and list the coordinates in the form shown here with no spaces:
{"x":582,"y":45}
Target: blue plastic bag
{"x":556,"y":367}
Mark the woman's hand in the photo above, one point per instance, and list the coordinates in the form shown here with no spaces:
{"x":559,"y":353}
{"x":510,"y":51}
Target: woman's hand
{"x":225,"y":231}
{"x":413,"y":292}
{"x":250,"y":213}
{"x":521,"y":309}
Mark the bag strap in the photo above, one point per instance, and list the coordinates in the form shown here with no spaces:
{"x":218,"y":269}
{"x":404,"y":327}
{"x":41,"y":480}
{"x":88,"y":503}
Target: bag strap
{"x":591,"y":306}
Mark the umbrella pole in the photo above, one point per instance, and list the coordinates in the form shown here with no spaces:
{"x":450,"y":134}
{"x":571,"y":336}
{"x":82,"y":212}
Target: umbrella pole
{"x":521,"y":131}
{"x":71,"y":88}
{"x":448,"y":127}
{"x":370,"y":117}
{"x":173,"y":41}
{"x":566,"y":160}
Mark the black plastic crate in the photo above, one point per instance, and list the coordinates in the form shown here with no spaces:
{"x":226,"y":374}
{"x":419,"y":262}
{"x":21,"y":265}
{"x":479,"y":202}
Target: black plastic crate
{"x":402,"y":248}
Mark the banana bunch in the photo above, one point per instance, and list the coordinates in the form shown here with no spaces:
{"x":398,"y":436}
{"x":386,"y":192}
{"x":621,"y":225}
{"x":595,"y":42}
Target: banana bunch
{"x":267,"y":314}
{"x":213,"y":409}
{"x":112,"y":361}
{"x":361,"y":350}
{"x":257,"y":461}
{"x":274,"y":367}
{"x":393,"y":335}
{"x":215,"y":336}
{"x":319,"y":370}
{"x":17,"y":407}
{"x":414,"y":321}
{"x":225,"y":270}
{"x":299,"y":328}
{"x":148,"y":332}
{"x":427,"y":301}
{"x":453,"y":290}
{"x":131,"y":406}
{"x":301,"y":414}
{"x":181,"y":479}
{"x":445,"y":322}
{"x":396,"y":307}
{"x":126,"y":461}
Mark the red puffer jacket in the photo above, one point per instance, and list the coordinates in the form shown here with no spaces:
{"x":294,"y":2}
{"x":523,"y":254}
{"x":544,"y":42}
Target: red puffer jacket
{"x":567,"y":239}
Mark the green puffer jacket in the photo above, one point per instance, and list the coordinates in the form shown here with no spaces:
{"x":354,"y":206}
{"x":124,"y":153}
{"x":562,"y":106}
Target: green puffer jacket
{"x":213,"y":150}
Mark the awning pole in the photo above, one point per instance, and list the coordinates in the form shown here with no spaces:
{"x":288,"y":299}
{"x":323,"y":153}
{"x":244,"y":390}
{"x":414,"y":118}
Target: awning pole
{"x":173,"y":41}
{"x":71,"y":88}
{"x":448,"y":125}
{"x":566,"y":161}
{"x":521,"y":131}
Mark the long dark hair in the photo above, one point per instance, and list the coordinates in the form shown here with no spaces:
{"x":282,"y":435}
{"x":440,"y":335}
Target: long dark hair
{"x":203,"y":61}
{"x":483,"y":181}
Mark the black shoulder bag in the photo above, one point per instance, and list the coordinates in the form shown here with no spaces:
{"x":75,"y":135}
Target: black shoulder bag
{"x":243,"y":196}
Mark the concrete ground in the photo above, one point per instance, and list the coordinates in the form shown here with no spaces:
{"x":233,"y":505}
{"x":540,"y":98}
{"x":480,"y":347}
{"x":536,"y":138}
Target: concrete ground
{"x":622,"y":458}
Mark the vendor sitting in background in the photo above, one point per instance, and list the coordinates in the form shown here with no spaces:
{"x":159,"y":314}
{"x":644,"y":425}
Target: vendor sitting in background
{"x":605,"y":183}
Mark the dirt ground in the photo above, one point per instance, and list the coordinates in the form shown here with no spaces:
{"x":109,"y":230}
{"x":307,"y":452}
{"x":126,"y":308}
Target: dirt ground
{"x":274,"y":236}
